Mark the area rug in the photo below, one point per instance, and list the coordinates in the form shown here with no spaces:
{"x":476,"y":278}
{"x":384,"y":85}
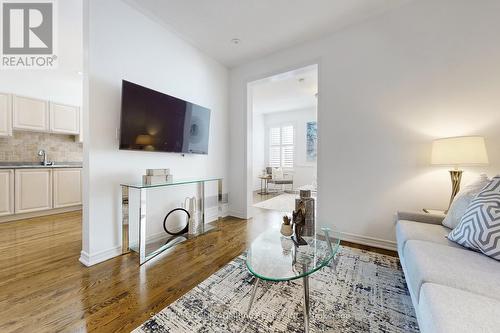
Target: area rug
{"x":364,"y":292}
{"x":282,"y":203}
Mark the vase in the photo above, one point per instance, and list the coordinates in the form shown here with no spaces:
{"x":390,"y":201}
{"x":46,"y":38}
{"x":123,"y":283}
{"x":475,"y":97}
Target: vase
{"x":286,"y":230}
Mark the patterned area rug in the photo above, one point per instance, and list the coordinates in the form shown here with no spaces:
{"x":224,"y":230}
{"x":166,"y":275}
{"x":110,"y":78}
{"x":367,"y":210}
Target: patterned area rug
{"x":366,"y":292}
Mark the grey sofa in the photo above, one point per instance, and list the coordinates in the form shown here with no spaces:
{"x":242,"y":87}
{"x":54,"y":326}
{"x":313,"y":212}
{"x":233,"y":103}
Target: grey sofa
{"x":452,"y":288}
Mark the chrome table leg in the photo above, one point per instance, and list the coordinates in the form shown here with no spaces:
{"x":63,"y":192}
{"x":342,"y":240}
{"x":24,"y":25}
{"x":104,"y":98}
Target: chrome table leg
{"x":142,"y":226}
{"x":254,"y":291}
{"x":305,"y":279}
{"x":125,"y":220}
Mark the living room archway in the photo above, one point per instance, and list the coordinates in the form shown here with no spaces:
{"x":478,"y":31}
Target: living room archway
{"x":282,"y":137}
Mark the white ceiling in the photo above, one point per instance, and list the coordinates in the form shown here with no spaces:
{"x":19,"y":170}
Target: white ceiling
{"x":284,"y":92}
{"x":263,"y":26}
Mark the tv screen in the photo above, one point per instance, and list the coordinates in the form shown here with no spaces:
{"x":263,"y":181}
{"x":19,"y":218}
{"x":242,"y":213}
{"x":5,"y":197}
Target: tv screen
{"x":153,"y":121}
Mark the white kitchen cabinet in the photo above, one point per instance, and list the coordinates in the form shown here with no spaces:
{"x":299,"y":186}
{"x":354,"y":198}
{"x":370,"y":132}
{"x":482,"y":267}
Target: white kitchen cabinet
{"x":6,"y":192}
{"x":67,"y":187}
{"x":5,"y":115}
{"x":30,"y":114}
{"x":64,"y":119}
{"x":33,"y":190}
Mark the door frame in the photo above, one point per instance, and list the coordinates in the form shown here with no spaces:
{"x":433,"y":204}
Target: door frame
{"x":249,"y":127}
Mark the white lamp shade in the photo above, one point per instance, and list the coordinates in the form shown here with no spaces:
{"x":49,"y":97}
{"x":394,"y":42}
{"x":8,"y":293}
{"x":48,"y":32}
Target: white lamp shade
{"x":469,"y":150}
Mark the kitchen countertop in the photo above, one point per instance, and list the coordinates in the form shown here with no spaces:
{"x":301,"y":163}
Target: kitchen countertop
{"x":38,"y":165}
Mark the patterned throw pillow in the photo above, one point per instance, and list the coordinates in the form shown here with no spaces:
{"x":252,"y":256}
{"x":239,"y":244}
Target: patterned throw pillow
{"x":479,"y":228}
{"x":462,"y":201}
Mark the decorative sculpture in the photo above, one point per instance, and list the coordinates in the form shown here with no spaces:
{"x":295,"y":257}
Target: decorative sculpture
{"x":299,"y":221}
{"x":305,"y":198}
{"x":181,"y":231}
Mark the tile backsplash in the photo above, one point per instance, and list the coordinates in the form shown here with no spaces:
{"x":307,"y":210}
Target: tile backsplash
{"x":24,"y":146}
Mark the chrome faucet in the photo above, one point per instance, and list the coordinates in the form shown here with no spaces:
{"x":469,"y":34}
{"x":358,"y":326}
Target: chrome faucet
{"x":42,"y":152}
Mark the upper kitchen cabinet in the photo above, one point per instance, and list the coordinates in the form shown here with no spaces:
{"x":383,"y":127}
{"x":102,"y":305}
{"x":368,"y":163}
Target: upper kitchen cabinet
{"x":5,"y":115}
{"x":64,"y":119}
{"x":30,"y":114}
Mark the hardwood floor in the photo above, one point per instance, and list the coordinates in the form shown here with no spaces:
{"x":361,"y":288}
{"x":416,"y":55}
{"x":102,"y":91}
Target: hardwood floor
{"x":44,"y":288}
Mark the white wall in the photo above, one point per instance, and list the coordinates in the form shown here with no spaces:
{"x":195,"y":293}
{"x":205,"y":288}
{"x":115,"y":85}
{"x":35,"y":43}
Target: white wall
{"x":124,"y":44}
{"x":259,"y":149}
{"x":387,"y":88}
{"x":62,"y":84}
{"x":304,"y":171}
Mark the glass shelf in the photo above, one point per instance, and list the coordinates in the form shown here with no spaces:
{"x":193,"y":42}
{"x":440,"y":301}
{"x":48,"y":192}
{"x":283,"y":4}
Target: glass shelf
{"x":172,"y":183}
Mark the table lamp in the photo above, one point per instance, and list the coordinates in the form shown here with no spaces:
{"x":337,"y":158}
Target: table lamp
{"x":459,"y":151}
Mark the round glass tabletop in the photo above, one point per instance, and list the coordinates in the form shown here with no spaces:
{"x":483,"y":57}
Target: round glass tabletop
{"x":274,"y":257}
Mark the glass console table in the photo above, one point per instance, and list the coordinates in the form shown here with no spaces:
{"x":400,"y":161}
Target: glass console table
{"x":134,"y":221}
{"x":273,"y":257}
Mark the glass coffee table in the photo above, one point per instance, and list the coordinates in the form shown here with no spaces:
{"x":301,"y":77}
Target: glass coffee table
{"x":273,"y":257}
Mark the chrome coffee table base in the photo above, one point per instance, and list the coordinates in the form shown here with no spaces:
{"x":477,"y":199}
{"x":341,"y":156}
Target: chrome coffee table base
{"x":273,"y":257}
{"x":305,"y":281}
{"x":252,"y":296}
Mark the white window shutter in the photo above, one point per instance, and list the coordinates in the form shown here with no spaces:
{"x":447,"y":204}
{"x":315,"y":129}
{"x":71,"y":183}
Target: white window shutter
{"x":287,"y":135}
{"x":281,"y":146}
{"x":274,"y":157}
{"x":275,"y":136}
{"x":287,"y":156}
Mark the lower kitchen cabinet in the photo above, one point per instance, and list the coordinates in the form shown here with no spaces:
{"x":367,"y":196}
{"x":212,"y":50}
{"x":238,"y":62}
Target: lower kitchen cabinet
{"x":6,"y":192}
{"x":67,"y":187}
{"x":33,"y":190}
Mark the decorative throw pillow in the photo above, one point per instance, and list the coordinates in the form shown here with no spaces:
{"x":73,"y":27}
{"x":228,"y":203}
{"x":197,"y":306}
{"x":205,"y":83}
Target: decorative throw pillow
{"x":479,"y":228}
{"x":463,"y":200}
{"x":277,"y":173}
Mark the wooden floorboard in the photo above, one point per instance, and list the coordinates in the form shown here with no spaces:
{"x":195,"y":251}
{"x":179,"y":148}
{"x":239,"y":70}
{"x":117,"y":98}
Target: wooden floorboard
{"x":44,"y":288}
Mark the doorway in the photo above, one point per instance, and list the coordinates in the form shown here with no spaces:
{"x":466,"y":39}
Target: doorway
{"x":283,"y":112}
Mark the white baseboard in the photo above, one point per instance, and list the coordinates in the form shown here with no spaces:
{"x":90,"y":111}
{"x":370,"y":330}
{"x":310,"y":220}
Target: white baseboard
{"x":369,"y":241}
{"x":236,"y":214}
{"x":90,"y":260}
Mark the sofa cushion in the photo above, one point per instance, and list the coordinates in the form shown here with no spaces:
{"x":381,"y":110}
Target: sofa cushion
{"x":409,"y":230}
{"x":446,"y":309}
{"x":450,"y":266}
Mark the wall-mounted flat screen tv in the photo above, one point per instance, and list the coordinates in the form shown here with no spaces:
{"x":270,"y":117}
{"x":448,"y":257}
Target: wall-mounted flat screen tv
{"x":153,"y":121}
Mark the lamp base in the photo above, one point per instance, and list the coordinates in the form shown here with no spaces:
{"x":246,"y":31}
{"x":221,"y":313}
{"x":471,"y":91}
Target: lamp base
{"x":456,"y":178}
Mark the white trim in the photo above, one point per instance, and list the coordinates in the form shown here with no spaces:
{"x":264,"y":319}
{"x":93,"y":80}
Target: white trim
{"x":369,"y":241}
{"x":93,"y":259}
{"x":248,"y":122}
{"x":238,"y":215}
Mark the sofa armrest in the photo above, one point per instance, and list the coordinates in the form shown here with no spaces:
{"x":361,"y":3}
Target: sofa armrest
{"x":421,"y":217}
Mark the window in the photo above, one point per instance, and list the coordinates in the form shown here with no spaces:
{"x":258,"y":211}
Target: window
{"x":281,"y":146}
